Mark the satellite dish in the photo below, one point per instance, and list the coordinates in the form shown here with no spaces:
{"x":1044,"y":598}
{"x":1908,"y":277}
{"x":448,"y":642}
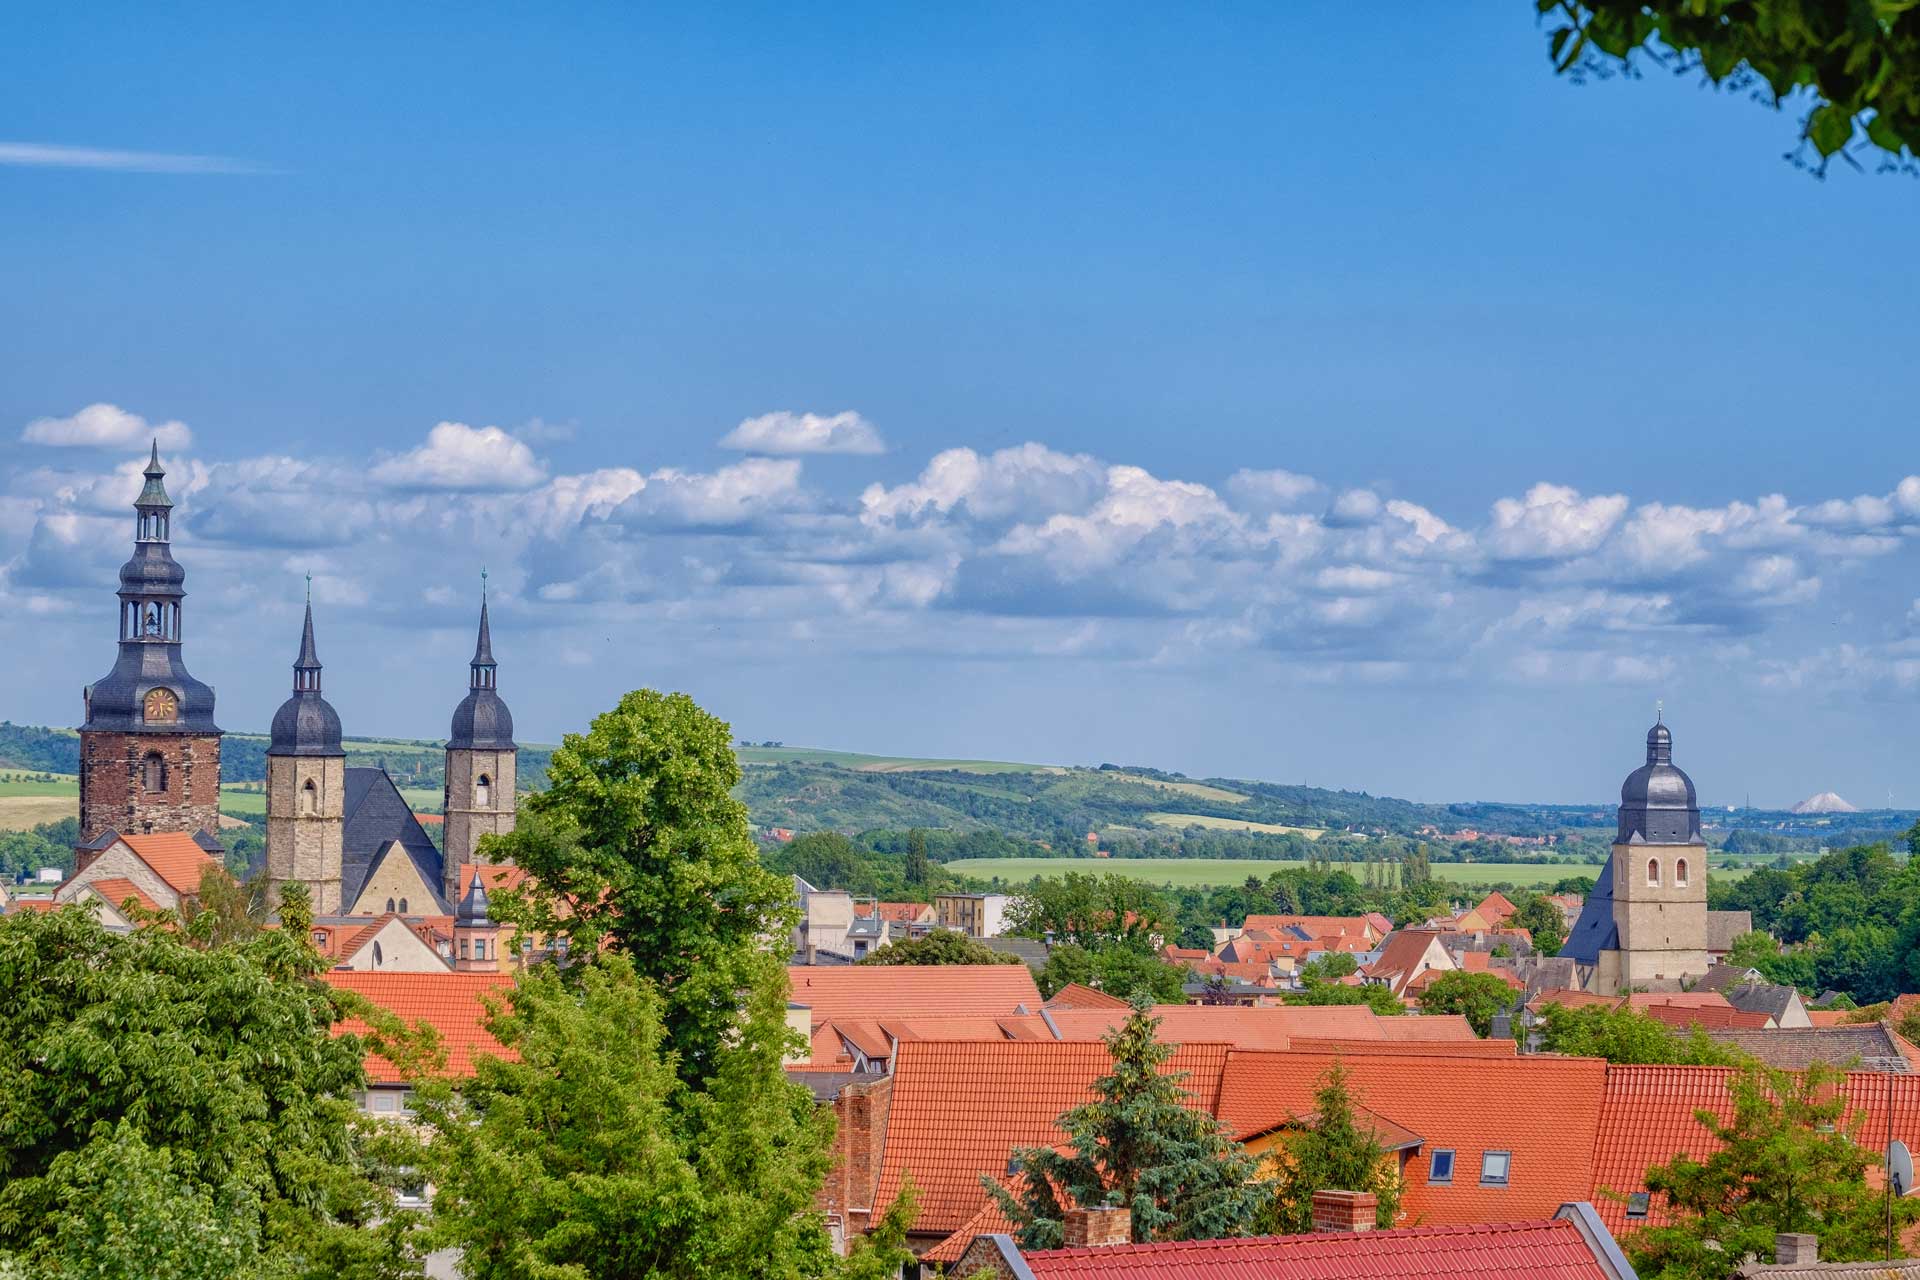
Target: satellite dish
{"x":1900,"y":1168}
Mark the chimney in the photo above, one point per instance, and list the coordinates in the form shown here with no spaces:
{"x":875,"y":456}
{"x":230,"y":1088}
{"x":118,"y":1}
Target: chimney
{"x":1097,"y":1227}
{"x":1796,"y":1248}
{"x":1344,"y":1210}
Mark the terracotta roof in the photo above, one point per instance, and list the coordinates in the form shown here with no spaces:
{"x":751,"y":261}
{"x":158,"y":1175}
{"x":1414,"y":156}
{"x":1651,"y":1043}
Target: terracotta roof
{"x":1570,"y":999}
{"x":1315,"y":926}
{"x":1829,"y":1017}
{"x":1495,"y":907}
{"x":1077,"y":995}
{"x":1644,"y":1000}
{"x":1543,"y":1109}
{"x":1472,"y":1047}
{"x":903,"y":912}
{"x":430,"y":819}
{"x":1400,"y":959}
{"x":990,"y":1221}
{"x":117,"y":889}
{"x":1265,"y":1026}
{"x":906,"y":990}
{"x":174,"y":857}
{"x":1685,"y":1016}
{"x":1549,"y":1250}
{"x":960,"y":1108}
{"x":493,"y":877}
{"x":1647,"y":1118}
{"x":449,"y":1002}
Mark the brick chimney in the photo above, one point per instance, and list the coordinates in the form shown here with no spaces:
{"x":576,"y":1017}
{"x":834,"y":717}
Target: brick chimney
{"x":1344,"y":1210}
{"x":1796,"y":1248}
{"x":1097,"y":1227}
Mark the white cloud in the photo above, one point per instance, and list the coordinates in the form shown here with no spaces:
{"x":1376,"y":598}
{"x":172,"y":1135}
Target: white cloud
{"x":788,"y":432}
{"x":47,"y":155}
{"x":1271,"y":490}
{"x":1027,"y":480}
{"x":1552,"y":522}
{"x":459,"y":457}
{"x":106,"y":426}
{"x":733,"y":495}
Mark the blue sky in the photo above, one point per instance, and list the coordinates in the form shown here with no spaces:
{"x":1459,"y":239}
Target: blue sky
{"x":1286,"y":394}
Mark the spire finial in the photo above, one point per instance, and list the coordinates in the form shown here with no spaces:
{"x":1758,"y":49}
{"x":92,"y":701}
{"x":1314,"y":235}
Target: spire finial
{"x":309,"y":588}
{"x":483,"y":584}
{"x":1659,"y":710}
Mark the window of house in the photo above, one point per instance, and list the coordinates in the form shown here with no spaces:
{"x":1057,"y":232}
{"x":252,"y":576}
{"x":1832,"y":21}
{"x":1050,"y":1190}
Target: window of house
{"x":479,"y":948}
{"x":463,"y":949}
{"x":320,"y":938}
{"x":1440,"y":1167}
{"x":1680,"y":874}
{"x":1493,"y":1168}
{"x":1637,"y":1204}
{"x":1653,"y":873}
{"x":385,"y":1103}
{"x":153,"y":772}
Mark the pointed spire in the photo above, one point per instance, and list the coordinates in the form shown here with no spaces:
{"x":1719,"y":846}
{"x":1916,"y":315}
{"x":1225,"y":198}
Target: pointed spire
{"x":483,"y":646}
{"x":154,"y":468}
{"x":154,"y":494}
{"x":309,"y":659}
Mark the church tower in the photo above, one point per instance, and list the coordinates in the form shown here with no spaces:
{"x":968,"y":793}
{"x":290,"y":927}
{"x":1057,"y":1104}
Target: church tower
{"x":306,"y":786}
{"x":479,"y":796}
{"x":1659,"y":871}
{"x":149,"y":749}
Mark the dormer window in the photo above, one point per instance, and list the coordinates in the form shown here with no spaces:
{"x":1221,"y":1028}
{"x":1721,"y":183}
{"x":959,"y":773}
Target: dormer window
{"x":1653,"y":873}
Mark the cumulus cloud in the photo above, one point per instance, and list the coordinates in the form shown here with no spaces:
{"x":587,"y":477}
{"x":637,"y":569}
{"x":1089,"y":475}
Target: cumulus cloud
{"x":1552,"y":522}
{"x":788,"y":432}
{"x":106,"y":426}
{"x":459,"y":457}
{"x":1270,"y":490}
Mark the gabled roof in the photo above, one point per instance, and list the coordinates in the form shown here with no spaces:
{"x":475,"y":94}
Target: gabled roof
{"x":1706,"y":1016}
{"x":1400,"y":958}
{"x":176,"y":858}
{"x":960,"y":1108}
{"x":115,"y":890}
{"x":1724,"y":926}
{"x":1648,"y":1117}
{"x":1871,"y":1046}
{"x":1309,"y":926}
{"x":1543,"y":1109}
{"x":376,"y":814}
{"x":1595,"y":930}
{"x":1495,"y":907}
{"x":1077,"y":995}
{"x":1555,"y":1249}
{"x":873,"y":991}
{"x":1769,"y":998}
{"x":450,"y":1002}
{"x":1264,"y":1027}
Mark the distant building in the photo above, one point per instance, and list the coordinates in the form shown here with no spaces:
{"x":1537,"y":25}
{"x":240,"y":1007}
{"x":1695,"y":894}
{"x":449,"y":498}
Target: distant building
{"x":978,"y":915}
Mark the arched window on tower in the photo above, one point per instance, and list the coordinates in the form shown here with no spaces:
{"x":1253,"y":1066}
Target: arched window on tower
{"x":389,"y":906}
{"x":1653,"y":873}
{"x":483,"y":792}
{"x":309,"y":798}
{"x":153,"y":772}
{"x":1680,"y":874}
{"x":403,"y":906}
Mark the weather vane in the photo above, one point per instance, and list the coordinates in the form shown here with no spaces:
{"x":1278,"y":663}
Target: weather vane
{"x":483,"y":582}
{"x":309,"y":586}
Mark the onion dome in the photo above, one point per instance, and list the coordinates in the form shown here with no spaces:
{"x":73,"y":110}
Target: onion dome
{"x":1657,"y":801}
{"x":482,"y":722}
{"x":306,"y":724}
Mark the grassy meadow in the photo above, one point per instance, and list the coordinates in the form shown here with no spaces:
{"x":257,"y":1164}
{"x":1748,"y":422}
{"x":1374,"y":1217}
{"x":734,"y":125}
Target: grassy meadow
{"x":1194,"y":872}
{"x":1178,"y":820}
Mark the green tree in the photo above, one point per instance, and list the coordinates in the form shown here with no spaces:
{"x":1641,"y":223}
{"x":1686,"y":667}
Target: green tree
{"x":1089,"y":911}
{"x":1859,"y":64}
{"x":1331,"y":967}
{"x":210,"y":1069}
{"x":919,"y":871}
{"x":824,"y":859}
{"x":1375,"y":996}
{"x":589,"y":1156}
{"x":1116,"y":970}
{"x":1791,"y":1158}
{"x":1334,"y":1151}
{"x":639,"y":840}
{"x":1475,"y":996}
{"x":1542,"y":919}
{"x":942,"y":946}
{"x":1140,"y":1143}
{"x":1623,"y":1035}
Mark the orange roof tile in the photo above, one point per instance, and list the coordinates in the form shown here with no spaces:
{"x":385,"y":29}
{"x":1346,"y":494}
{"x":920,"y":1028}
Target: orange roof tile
{"x":1471,"y":1047}
{"x":449,"y":1002}
{"x":175,"y":858}
{"x":1828,"y":1017}
{"x":1684,"y":1016}
{"x":494,"y":877}
{"x":960,"y":1108}
{"x":900,"y":912}
{"x":990,"y":1221}
{"x":1077,"y":995}
{"x":1545,"y":1110}
{"x":906,"y":991}
{"x":117,"y":889}
{"x":1495,"y":907}
{"x":1648,"y":1118}
{"x":1264,"y":1026}
{"x":1316,"y":926}
{"x":1644,"y":1000}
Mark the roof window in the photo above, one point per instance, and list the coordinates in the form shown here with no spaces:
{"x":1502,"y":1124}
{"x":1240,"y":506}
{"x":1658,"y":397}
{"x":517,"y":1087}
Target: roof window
{"x":1637,"y":1204}
{"x":1493,"y":1168}
{"x":1440,"y":1168}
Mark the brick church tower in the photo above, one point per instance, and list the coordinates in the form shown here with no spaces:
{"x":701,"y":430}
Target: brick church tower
{"x":481,"y":755}
{"x":149,"y":749}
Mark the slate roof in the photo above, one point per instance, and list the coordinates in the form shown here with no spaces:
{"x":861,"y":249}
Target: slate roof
{"x":1769,"y":998}
{"x":1647,"y":1118}
{"x":1898,"y":1269}
{"x":450,"y":1002}
{"x":1871,"y":1045}
{"x":375,"y":813}
{"x":1555,"y":1249}
{"x":1595,"y":930}
{"x":960,"y":1108}
{"x":1724,"y":926}
{"x":1543,"y":1109}
{"x":826,"y":1085}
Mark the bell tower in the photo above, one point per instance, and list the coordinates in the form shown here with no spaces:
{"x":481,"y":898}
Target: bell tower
{"x":149,"y":749}
{"x":306,"y":785}
{"x":1659,"y":872}
{"x":481,"y":755}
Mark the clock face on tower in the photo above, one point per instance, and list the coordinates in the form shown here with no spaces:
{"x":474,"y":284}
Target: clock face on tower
{"x":160,"y":707}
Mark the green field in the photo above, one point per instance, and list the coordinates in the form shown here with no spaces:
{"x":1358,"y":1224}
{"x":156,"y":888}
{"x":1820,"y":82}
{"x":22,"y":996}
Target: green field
{"x":1177,"y":820}
{"x":1185,"y":872}
{"x":876,"y":764}
{"x":1198,"y":790}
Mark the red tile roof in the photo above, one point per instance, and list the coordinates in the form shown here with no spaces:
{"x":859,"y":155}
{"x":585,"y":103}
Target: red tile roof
{"x":493,"y":877}
{"x":1471,"y":1047}
{"x":1548,"y":1250}
{"x":175,"y":858}
{"x":1647,"y":1118}
{"x":1495,"y":907}
{"x":1400,"y":960}
{"x":1543,"y":1109}
{"x":449,"y":1002}
{"x":1685,"y":1016}
{"x":1264,"y":1026}
{"x":117,"y":889}
{"x":1077,"y":995}
{"x":960,"y":1108}
{"x":902,"y":912}
{"x":908,"y":991}
{"x":1316,"y":926}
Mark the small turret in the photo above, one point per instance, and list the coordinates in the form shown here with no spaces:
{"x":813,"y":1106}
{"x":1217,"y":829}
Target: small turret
{"x":476,"y":938}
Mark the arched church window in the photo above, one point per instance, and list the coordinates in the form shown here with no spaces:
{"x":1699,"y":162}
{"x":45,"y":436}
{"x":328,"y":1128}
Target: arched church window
{"x":403,"y":906}
{"x":1680,"y":874}
{"x":389,"y":906}
{"x":483,"y":792}
{"x":309,"y":798}
{"x":1653,"y":873}
{"x":153,"y":772}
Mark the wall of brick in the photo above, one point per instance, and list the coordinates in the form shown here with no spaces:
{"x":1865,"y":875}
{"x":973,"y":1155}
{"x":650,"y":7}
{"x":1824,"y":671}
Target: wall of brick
{"x":113,"y":794}
{"x":860,"y":1135}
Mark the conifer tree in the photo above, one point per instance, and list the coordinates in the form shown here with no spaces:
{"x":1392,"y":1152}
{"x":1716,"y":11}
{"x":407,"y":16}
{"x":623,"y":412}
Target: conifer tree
{"x":917,"y":872}
{"x":1336,"y":1152}
{"x":1140,"y":1145}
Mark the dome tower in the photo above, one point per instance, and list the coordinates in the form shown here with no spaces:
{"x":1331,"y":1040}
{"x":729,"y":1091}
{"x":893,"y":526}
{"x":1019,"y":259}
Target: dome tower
{"x":306,"y":785}
{"x":1659,"y":874}
{"x":481,"y":759}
